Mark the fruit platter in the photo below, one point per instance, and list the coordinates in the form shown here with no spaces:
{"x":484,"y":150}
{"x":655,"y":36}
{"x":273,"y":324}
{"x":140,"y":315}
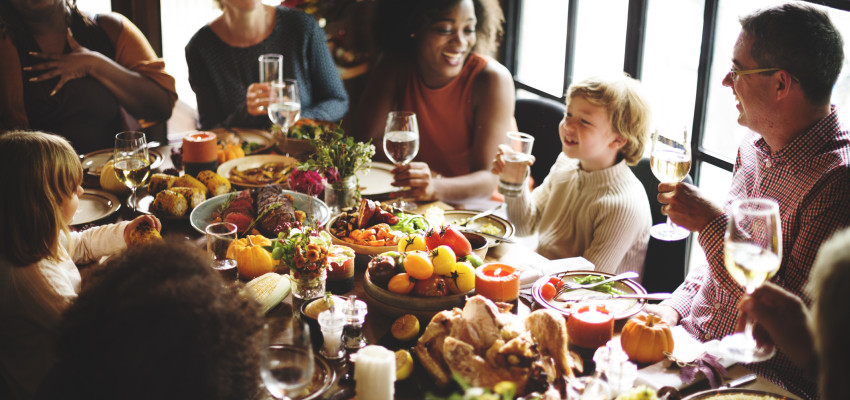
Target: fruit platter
{"x":373,"y":227}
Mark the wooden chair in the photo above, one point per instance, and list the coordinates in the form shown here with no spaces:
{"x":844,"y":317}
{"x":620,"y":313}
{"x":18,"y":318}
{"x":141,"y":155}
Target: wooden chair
{"x":540,"y":118}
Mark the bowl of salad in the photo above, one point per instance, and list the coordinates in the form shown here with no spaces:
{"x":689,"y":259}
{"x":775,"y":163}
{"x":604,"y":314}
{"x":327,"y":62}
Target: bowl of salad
{"x":373,"y":227}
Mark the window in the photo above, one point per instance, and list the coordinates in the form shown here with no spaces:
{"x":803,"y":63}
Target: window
{"x":600,"y":38}
{"x":542,"y":45}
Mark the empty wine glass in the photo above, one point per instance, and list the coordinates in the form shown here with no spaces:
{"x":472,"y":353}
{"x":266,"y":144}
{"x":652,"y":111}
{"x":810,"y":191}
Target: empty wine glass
{"x":670,"y":161}
{"x":220,"y":235}
{"x":130,"y":161}
{"x":753,"y":251}
{"x":287,"y":359}
{"x":401,"y":143}
{"x":284,"y":105}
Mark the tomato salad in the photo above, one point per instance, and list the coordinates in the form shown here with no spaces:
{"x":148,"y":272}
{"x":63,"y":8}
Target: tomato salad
{"x":375,"y":224}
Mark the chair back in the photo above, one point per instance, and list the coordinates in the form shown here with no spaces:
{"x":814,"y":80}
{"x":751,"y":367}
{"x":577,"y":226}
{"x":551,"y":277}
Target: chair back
{"x":665,"y":264}
{"x":540,"y":118}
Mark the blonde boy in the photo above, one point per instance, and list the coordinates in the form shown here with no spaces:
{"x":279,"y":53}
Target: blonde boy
{"x":590,"y":204}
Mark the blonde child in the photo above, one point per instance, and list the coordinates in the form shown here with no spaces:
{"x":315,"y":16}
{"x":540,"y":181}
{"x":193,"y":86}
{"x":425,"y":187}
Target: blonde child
{"x":590,"y":204}
{"x":40,"y":176}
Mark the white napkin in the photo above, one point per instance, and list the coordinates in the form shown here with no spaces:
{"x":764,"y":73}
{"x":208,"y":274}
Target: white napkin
{"x":532,"y":272}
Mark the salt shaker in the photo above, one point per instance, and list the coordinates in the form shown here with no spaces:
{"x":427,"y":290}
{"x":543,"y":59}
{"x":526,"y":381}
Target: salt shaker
{"x":331,"y":322}
{"x":352,"y":334}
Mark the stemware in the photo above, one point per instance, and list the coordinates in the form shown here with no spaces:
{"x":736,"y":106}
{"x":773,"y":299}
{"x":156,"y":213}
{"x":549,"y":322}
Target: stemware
{"x":284,"y":104}
{"x":287,"y":359}
{"x":401,"y":143}
{"x":753,"y":252}
{"x":219,"y":236}
{"x":670,"y":161}
{"x":131,"y":162}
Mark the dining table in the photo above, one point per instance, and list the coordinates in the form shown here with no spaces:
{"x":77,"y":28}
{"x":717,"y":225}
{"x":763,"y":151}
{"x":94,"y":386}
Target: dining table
{"x":376,"y":329}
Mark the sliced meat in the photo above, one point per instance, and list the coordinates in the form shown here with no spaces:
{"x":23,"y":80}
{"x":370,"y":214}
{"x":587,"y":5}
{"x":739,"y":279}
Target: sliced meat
{"x":242,"y":221}
{"x":472,"y":368}
{"x":274,"y":208}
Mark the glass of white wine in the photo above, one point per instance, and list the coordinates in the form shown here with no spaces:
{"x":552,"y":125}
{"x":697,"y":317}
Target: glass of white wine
{"x":287,"y":359}
{"x":753,"y":251}
{"x":131,"y":162}
{"x":401,"y":143}
{"x":284,"y":105}
{"x":670,"y":162}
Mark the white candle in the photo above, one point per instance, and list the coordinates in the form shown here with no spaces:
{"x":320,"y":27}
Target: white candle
{"x":374,"y":372}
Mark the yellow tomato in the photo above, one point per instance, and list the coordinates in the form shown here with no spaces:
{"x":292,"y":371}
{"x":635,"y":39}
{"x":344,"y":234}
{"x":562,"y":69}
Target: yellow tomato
{"x":411,"y":243}
{"x":401,"y":284}
{"x":462,"y":278}
{"x":443,"y":258}
{"x":418,"y":265}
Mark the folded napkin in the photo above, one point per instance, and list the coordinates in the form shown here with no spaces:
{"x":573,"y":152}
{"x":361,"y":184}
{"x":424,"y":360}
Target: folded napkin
{"x":532,"y":272}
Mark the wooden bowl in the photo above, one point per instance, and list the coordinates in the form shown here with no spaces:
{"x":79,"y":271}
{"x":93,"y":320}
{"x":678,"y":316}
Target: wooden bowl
{"x":395,"y":305}
{"x":297,"y":148}
{"x":479,"y":243}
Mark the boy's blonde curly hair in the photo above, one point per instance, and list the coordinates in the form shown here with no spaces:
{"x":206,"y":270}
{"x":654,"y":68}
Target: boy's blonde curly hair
{"x":627,"y":107}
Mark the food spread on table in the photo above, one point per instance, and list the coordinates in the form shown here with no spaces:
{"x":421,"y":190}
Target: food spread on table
{"x":375,"y":224}
{"x":176,"y":196}
{"x":266,"y":211}
{"x":267,"y":173}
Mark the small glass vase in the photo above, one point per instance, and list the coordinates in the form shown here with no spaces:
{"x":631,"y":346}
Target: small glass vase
{"x":308,"y":286}
{"x":341,"y":194}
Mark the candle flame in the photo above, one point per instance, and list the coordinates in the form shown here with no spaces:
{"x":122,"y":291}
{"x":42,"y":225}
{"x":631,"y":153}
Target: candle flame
{"x":497,"y":271}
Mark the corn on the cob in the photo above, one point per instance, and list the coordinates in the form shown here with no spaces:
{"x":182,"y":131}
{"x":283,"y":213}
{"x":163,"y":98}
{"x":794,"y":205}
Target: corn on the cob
{"x":189,"y":181}
{"x":160,"y":182}
{"x":269,"y":289}
{"x":194,"y":196}
{"x":144,"y":234}
{"x":215,"y":183}
{"x":168,"y":202}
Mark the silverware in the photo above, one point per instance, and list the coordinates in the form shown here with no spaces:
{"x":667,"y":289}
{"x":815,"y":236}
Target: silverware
{"x":481,"y":214}
{"x":671,"y":393}
{"x":568,"y":285}
{"x":605,"y":296}
{"x":491,"y":236}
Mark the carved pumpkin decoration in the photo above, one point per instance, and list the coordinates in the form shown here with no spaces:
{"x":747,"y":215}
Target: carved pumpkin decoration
{"x":645,"y":338}
{"x":252,"y":260}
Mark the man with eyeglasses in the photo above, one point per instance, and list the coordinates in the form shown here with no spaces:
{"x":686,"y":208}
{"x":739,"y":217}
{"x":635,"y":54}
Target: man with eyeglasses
{"x":785,"y":63}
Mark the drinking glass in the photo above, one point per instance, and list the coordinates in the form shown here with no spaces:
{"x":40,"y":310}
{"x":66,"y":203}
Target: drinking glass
{"x":287,"y":360}
{"x":401,"y":143}
{"x":284,"y":105}
{"x":517,"y":150}
{"x":219,"y":236}
{"x":271,"y":68}
{"x":670,"y":161}
{"x":753,"y":251}
{"x":131,"y":162}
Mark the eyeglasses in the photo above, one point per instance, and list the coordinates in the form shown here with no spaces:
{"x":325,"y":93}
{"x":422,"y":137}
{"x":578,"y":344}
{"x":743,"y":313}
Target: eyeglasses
{"x":736,"y":73}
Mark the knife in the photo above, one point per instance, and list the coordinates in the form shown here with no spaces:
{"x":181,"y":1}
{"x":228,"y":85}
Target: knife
{"x":603,"y":296}
{"x":497,"y":237}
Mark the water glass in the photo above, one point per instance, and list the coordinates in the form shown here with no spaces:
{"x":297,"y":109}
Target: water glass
{"x":517,"y":154}
{"x":287,"y":363}
{"x":219,"y":236}
{"x":271,"y":68}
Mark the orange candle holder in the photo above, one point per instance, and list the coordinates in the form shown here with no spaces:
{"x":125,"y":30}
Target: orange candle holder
{"x":200,"y":152}
{"x":497,"y":282}
{"x":590,"y":326}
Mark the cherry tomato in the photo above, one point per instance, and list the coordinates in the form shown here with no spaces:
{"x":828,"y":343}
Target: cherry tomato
{"x":557,"y":282}
{"x":443,"y":258}
{"x":462,"y":278}
{"x":412,"y":242}
{"x":435,"y":286}
{"x":418,"y":265}
{"x":401,"y":284}
{"x":547,"y":291}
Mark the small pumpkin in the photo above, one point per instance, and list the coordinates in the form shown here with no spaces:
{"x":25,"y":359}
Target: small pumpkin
{"x":252,"y":260}
{"x":645,"y":338}
{"x":229,"y":152}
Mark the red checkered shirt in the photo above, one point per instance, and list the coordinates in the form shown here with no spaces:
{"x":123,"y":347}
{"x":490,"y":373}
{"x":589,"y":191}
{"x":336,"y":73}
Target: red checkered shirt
{"x":810,"y":179}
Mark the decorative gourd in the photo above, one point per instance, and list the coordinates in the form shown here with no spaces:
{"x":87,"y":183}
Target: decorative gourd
{"x":229,"y":152}
{"x":252,"y":260}
{"x":645,"y":338}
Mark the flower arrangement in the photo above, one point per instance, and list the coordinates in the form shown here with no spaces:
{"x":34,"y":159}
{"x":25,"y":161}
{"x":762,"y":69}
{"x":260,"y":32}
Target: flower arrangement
{"x":304,"y":252}
{"x":306,"y":181}
{"x":338,"y":156}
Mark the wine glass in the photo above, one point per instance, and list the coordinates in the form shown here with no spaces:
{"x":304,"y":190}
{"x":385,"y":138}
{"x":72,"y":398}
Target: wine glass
{"x":131,"y":162}
{"x":670,"y":161}
{"x":753,"y":250}
{"x":219,"y":236}
{"x":287,"y":359}
{"x":284,"y":105}
{"x":401,"y":143}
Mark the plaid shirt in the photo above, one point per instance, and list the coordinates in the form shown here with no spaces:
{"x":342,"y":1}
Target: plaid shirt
{"x":810,"y":179}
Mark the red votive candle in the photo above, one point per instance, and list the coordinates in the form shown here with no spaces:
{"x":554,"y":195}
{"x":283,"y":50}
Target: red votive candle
{"x":497,"y":282}
{"x":200,"y":152}
{"x":590,"y":326}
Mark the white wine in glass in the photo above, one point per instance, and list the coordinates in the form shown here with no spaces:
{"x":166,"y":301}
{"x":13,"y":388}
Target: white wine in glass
{"x":131,"y":162}
{"x":287,"y":360}
{"x":401,"y":142}
{"x":753,"y":254}
{"x":670,"y":161}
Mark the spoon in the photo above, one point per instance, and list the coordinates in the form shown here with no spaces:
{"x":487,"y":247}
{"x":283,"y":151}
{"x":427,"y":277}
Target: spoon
{"x":481,"y":214}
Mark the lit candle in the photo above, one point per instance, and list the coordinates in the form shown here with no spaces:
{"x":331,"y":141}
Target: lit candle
{"x":590,"y":326}
{"x":497,"y":282}
{"x":374,"y":372}
{"x":200,"y":152}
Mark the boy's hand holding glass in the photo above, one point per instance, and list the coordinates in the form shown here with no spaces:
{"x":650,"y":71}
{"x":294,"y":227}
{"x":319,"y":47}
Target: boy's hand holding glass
{"x":514,"y":158}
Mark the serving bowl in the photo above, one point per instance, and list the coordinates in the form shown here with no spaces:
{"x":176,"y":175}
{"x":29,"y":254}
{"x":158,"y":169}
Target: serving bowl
{"x":396,"y":305}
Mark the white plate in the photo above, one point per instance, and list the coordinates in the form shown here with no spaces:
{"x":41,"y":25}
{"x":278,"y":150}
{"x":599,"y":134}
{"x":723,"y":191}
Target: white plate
{"x":201,"y":216}
{"x":621,"y":308}
{"x":248,"y":162}
{"x":92,"y":162}
{"x":378,"y":181}
{"x":95,"y":205}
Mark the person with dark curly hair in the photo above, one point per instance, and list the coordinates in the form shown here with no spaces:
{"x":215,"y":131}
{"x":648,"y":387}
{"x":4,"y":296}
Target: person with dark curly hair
{"x":157,"y":322}
{"x":436,"y":62}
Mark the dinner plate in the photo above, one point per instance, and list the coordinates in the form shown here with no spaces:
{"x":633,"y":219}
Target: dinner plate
{"x":741,"y":394}
{"x":201,"y":216}
{"x":500,"y":226}
{"x":144,"y":201}
{"x":377,"y":182}
{"x":254,"y":161}
{"x":94,"y":206}
{"x":93,"y":162}
{"x":261,"y":137}
{"x":621,"y":308}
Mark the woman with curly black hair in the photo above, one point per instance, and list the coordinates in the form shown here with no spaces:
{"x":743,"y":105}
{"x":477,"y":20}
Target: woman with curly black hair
{"x":436,"y":62}
{"x":158,"y":323}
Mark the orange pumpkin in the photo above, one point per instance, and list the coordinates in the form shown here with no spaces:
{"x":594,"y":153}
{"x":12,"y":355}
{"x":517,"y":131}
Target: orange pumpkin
{"x":252,"y":260}
{"x":645,"y":338}
{"x":229,"y":152}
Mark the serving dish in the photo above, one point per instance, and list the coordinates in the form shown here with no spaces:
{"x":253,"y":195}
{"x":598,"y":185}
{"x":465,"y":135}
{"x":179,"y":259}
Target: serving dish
{"x":94,"y":206}
{"x":358,"y":248}
{"x":621,"y":308}
{"x":502,"y":227}
{"x":93,"y":162}
{"x":262,"y":138}
{"x":315,"y":209}
{"x":739,"y":394}
{"x":377,"y":182}
{"x":254,"y":161}
{"x":396,"y":305}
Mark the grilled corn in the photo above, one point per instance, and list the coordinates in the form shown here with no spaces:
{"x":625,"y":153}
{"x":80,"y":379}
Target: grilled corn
{"x":194,"y":196}
{"x":189,"y":181}
{"x":269,"y":289}
{"x":215,"y":183}
{"x":168,"y":202}
{"x":144,"y":234}
{"x":160,"y":182}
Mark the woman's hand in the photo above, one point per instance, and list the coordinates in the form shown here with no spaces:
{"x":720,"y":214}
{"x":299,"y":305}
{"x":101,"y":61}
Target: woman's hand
{"x":76,"y":64}
{"x":417,"y":177}
{"x":499,"y":161}
{"x":257,"y":98}
{"x":153,"y":221}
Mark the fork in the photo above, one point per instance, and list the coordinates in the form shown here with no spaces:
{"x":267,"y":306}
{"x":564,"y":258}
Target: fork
{"x":571,"y":285}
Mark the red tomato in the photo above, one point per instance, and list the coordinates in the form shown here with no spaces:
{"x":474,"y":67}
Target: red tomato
{"x":434,"y":286}
{"x":449,"y":236}
{"x":548,"y":291}
{"x":557,"y":282}
{"x":432,"y":239}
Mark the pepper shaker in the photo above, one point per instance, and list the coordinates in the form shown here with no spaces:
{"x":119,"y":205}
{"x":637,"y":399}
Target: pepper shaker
{"x":352,"y":334}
